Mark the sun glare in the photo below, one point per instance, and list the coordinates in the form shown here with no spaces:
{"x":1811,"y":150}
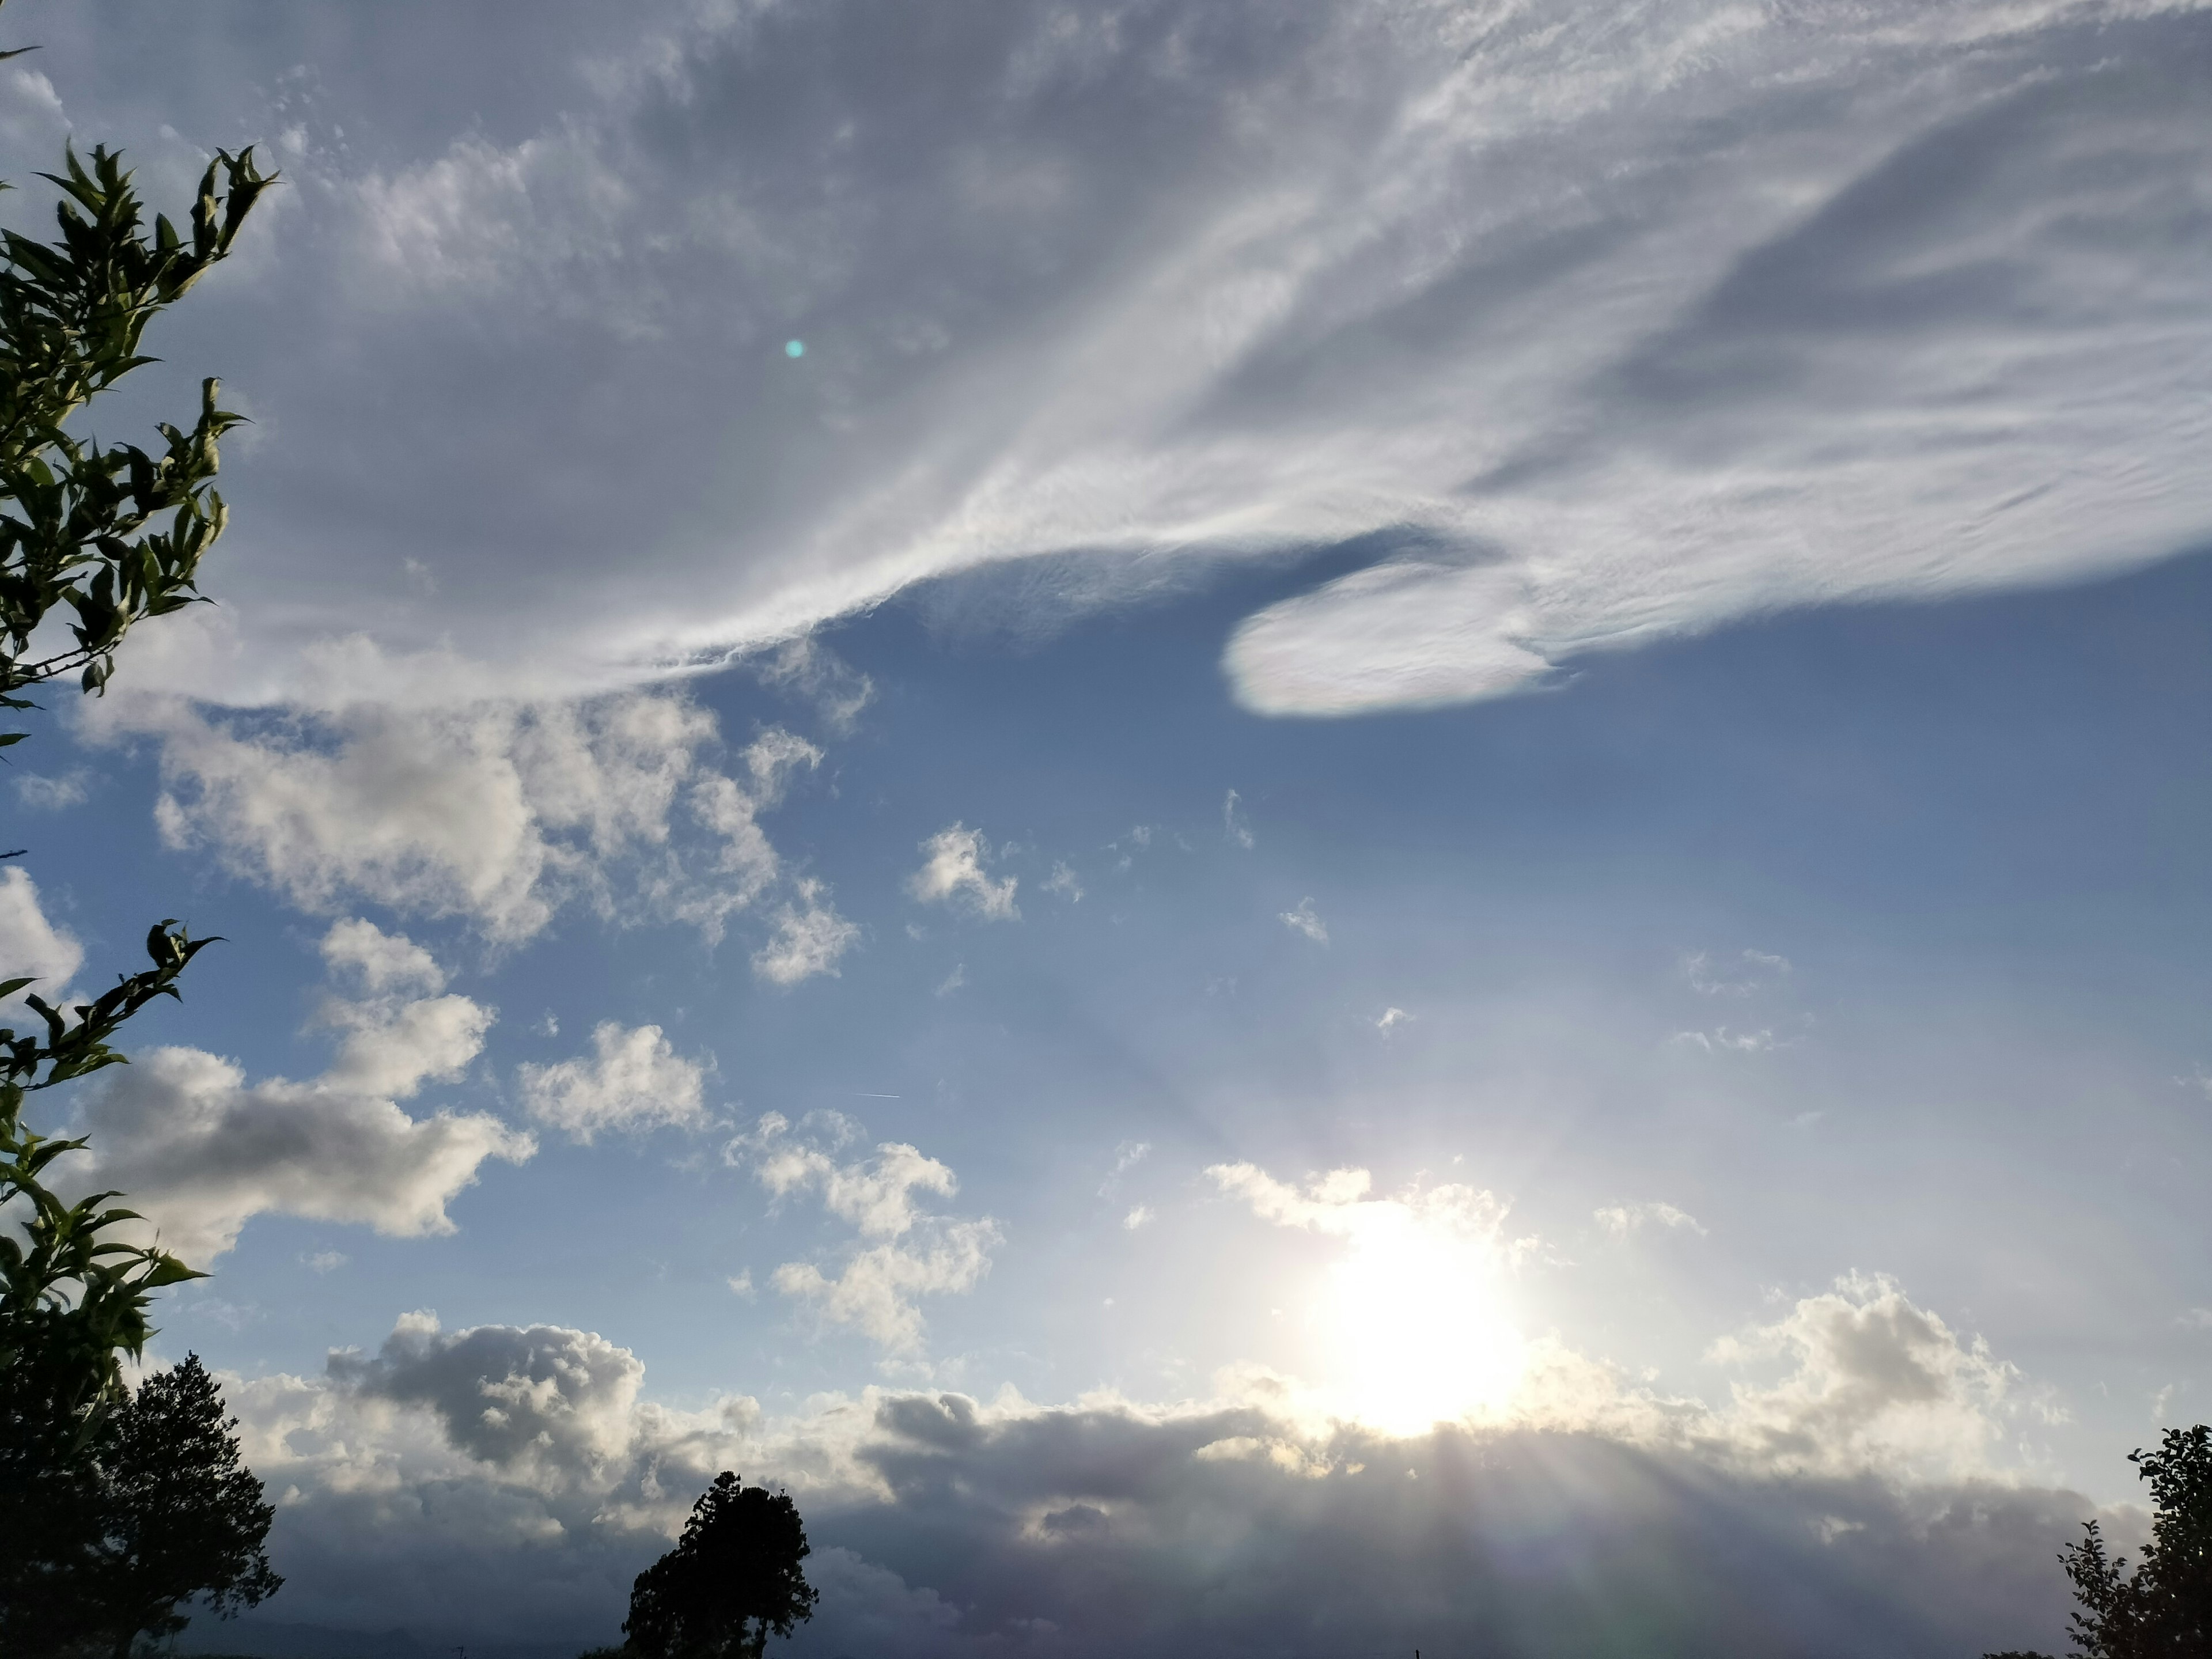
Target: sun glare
{"x":1412,"y":1324}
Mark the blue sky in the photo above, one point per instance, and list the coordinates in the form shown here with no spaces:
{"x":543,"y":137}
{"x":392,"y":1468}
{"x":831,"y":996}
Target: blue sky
{"x":1453,"y":743}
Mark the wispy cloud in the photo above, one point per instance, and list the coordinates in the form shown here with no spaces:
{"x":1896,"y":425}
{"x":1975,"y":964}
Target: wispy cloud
{"x":953,"y":874}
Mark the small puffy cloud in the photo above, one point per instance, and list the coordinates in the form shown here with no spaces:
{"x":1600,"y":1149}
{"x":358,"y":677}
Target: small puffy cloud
{"x":381,"y":961}
{"x":874,"y":1290}
{"x":399,"y":1033}
{"x":1065,"y":882}
{"x":32,"y":945}
{"x":809,"y":936}
{"x":953,"y":874}
{"x":953,"y":981}
{"x":44,"y":794}
{"x":1304,"y":921}
{"x":913,"y":1252}
{"x":324,"y":1262}
{"x":1140,"y":1216}
{"x":1390,"y":1019}
{"x":1623,"y":1220}
{"x":634,"y":1080}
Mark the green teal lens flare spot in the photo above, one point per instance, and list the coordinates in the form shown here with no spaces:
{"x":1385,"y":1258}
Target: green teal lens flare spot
{"x":794,"y":348}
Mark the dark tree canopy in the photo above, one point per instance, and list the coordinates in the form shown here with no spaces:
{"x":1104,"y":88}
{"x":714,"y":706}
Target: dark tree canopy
{"x":163,"y":1512}
{"x":183,"y":1518}
{"x":2164,"y":1608}
{"x":732,"y":1581}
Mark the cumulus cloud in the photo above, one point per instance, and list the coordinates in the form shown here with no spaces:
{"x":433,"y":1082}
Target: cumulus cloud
{"x":634,"y":1080}
{"x":953,"y":874}
{"x":910,"y":1252}
{"x":32,"y":945}
{"x":1623,"y":1220}
{"x":809,"y":939}
{"x":1304,"y":921}
{"x":556,"y":1404}
{"x":202,"y":1151}
{"x":1874,"y":1380}
{"x":497,"y":812}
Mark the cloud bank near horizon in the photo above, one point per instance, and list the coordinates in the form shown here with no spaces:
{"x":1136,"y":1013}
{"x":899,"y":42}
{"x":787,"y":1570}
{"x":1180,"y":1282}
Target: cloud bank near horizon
{"x":1601,"y":329}
{"x":514,"y":1478}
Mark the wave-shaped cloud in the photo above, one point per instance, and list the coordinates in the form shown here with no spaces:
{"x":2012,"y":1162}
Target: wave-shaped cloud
{"x":1611,"y":326}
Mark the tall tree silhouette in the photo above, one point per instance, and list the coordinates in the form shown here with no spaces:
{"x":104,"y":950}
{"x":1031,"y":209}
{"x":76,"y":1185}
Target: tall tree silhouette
{"x":732,"y":1581}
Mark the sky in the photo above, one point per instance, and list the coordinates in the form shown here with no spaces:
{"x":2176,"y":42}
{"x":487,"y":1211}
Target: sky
{"x":1282,"y":830}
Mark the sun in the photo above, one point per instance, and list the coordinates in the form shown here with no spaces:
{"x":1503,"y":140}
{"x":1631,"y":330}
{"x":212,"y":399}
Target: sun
{"x":1413,"y":1323}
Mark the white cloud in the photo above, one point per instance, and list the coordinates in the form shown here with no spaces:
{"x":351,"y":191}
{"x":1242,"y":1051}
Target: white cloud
{"x":1740,"y":975}
{"x":1390,"y":1019}
{"x":497,"y":812}
{"x":953,"y":874}
{"x":44,"y":795}
{"x":953,"y":981}
{"x":1303,"y":920}
{"x":382,"y":962}
{"x":1606,"y":332}
{"x":808,"y":669}
{"x":809,"y":939}
{"x":633,"y":1081}
{"x":400,"y":1033}
{"x":324,"y":1262}
{"x":1340,"y":1203}
{"x":32,"y":945}
{"x":201,"y":1151}
{"x":1623,"y":1220}
{"x":1065,"y":882}
{"x":1873,"y":1382}
{"x":1141,"y":1216}
{"x":1235,"y":826}
{"x":1723,"y":1041}
{"x":914,"y":1253}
